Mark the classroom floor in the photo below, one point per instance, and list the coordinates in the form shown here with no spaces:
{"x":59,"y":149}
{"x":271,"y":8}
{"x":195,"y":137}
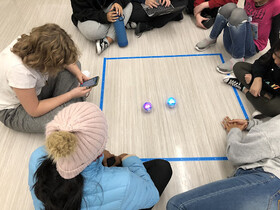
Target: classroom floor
{"x":161,"y":63}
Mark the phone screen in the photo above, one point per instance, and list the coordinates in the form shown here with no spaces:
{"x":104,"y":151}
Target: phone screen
{"x":91,"y":82}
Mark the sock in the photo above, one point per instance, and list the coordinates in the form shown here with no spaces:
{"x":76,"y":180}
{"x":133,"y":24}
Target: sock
{"x":106,"y":40}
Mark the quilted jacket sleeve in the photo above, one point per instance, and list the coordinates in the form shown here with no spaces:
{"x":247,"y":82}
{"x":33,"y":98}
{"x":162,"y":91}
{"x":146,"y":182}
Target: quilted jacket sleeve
{"x":141,"y":191}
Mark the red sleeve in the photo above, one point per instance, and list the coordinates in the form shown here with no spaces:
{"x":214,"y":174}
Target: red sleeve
{"x":219,"y":3}
{"x":198,"y":2}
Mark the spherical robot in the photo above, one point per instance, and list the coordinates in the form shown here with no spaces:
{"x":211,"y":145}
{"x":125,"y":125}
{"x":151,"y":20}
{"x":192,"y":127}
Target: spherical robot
{"x":171,"y":102}
{"x":147,"y":107}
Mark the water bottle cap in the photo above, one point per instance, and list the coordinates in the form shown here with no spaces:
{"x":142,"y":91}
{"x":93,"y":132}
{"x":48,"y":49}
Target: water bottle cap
{"x":121,"y":18}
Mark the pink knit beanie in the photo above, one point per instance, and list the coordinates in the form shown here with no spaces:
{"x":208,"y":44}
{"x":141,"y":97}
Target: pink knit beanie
{"x":75,"y":137}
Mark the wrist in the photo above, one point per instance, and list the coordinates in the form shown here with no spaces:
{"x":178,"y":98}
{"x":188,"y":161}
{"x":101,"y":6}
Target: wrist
{"x":69,"y":95}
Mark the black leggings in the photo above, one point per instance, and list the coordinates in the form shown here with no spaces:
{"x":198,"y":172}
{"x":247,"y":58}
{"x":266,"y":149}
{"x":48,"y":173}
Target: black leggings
{"x":160,"y":172}
{"x":269,"y":107}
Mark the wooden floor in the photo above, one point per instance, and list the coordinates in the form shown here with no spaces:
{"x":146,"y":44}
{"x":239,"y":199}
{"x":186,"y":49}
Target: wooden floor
{"x":160,"y":64}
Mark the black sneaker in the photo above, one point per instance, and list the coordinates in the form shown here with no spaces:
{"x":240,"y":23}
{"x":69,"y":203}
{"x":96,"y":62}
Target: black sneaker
{"x":101,"y":45}
{"x":234,"y":82}
{"x":142,"y":27}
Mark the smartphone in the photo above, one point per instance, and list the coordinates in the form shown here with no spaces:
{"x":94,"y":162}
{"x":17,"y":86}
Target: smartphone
{"x":91,"y":82}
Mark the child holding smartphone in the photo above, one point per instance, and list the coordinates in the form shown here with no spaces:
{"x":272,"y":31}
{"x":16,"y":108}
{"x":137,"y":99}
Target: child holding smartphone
{"x":40,"y":75}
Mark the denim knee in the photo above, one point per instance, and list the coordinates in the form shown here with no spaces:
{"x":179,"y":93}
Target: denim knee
{"x":227,"y":9}
{"x":237,"y":16}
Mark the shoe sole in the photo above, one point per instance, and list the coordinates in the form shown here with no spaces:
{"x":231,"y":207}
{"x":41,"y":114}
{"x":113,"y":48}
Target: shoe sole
{"x":98,"y":49}
{"x":201,"y":50}
{"x":228,"y":77}
{"x":221,"y":72}
{"x":259,"y":116}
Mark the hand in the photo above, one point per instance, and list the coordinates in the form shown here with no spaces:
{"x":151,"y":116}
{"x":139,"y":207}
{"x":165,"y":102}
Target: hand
{"x":165,"y":2}
{"x":121,"y":156}
{"x":228,"y":124}
{"x":82,"y":78}
{"x":108,"y":155}
{"x":248,"y":78}
{"x":200,"y":7}
{"x":117,"y":8}
{"x":79,"y":92}
{"x":256,"y":87}
{"x":112,"y":16}
{"x":199,"y":20}
{"x":151,"y":3}
{"x":243,"y":123}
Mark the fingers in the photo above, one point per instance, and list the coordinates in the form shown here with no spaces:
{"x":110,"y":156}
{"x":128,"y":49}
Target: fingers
{"x":121,"y":12}
{"x":153,"y":3}
{"x":167,"y":3}
{"x":238,"y":121}
{"x":112,"y":16}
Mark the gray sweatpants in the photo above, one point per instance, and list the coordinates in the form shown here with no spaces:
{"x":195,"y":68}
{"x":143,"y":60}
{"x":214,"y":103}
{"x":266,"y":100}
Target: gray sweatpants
{"x":94,"y":30}
{"x":18,"y":119}
{"x":269,"y":107}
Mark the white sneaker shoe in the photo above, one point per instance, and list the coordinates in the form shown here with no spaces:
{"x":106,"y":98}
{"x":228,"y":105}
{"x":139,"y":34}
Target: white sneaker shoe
{"x":258,"y":115}
{"x":101,"y":45}
{"x":233,"y":81}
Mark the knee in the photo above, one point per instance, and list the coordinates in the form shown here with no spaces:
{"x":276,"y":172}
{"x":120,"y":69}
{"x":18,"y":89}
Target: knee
{"x":236,"y":68}
{"x":237,"y":16}
{"x":92,"y":30}
{"x":227,"y":9}
{"x":128,"y":8}
{"x":164,"y":167}
{"x":127,"y":11}
{"x":92,"y":35}
{"x":174,"y":203}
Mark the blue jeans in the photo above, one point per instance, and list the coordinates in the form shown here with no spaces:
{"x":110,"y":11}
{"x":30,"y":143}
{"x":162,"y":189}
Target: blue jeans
{"x":238,"y":40}
{"x":251,"y":189}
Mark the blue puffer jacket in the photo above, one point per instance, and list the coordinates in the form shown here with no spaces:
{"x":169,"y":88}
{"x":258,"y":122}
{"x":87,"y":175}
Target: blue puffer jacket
{"x":129,"y":187}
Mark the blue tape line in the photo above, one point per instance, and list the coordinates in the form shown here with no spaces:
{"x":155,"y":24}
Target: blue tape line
{"x":188,"y":159}
{"x":237,"y":96}
{"x":222,"y":59}
{"x":240,"y":103}
{"x":103,"y":84}
{"x":171,"y":56}
{"x":162,"y":56}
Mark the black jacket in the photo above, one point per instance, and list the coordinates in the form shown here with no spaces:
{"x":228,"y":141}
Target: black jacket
{"x":265,"y":68}
{"x":84,"y":10}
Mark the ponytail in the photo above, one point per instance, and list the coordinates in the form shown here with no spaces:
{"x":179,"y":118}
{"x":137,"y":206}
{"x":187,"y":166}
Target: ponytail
{"x":55,"y":192}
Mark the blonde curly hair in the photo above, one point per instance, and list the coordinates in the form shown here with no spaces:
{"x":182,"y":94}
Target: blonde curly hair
{"x":48,"y":48}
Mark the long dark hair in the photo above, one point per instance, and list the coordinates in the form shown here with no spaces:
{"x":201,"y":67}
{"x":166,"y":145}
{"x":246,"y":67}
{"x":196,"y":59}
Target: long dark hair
{"x":267,"y":57}
{"x":276,"y":46}
{"x":55,"y":192}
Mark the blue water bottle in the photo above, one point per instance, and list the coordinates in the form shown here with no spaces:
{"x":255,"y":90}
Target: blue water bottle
{"x":120,"y":32}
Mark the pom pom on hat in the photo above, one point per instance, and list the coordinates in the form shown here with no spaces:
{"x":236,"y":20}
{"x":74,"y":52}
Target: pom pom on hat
{"x":75,"y":137}
{"x":60,"y":144}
